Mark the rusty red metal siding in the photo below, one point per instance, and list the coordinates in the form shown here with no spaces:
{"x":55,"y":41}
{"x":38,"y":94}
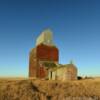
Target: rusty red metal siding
{"x":44,"y":52}
{"x":42,"y":72}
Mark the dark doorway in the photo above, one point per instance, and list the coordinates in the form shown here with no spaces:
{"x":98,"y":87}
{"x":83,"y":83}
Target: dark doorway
{"x":51,"y":75}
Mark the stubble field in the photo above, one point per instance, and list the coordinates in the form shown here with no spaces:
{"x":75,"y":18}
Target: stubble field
{"x":31,"y":89}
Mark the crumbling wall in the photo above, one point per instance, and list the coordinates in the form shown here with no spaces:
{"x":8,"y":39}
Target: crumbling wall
{"x":32,"y":63}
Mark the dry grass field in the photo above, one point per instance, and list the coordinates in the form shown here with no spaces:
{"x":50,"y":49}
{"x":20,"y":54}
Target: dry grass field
{"x":31,"y":89}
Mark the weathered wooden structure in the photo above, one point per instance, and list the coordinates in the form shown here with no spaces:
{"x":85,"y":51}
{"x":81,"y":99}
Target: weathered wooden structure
{"x":44,"y":60}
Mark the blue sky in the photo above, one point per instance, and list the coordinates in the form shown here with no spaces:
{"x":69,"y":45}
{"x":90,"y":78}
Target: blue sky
{"x":76,"y":30}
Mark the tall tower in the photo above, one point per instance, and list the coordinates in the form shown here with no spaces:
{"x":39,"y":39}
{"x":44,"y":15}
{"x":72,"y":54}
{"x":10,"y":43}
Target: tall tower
{"x":44,"y":52}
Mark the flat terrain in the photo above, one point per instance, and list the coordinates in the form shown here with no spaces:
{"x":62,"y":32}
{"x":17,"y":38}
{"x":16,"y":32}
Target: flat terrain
{"x":31,"y":89}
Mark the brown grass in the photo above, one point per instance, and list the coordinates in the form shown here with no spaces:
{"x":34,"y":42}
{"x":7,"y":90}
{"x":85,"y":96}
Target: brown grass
{"x":28,"y":89}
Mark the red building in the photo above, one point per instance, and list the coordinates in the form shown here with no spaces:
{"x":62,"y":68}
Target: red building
{"x":39,"y":56}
